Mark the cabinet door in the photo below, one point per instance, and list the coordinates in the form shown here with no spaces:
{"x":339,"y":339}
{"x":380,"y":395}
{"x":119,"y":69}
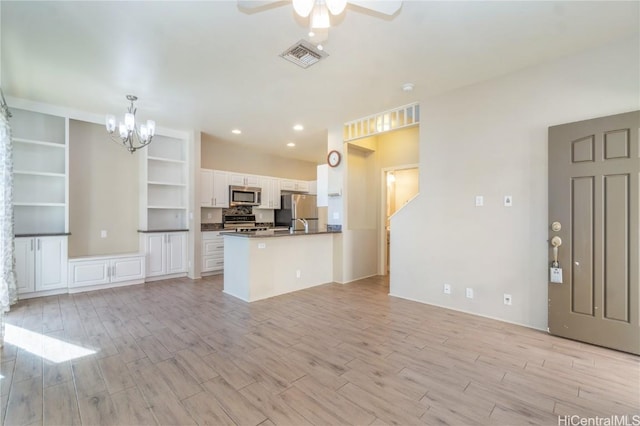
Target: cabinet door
{"x":206,"y":188}
{"x":51,"y":263}
{"x":220,"y":189}
{"x":127,"y":269}
{"x":302,"y":186}
{"x":156,"y":254}
{"x":287,"y":185}
{"x":252,"y":180}
{"x":236,"y":179}
{"x":25,"y":267}
{"x":176,"y":252}
{"x":275,"y":194}
{"x":266,"y":200}
{"x":90,"y":272}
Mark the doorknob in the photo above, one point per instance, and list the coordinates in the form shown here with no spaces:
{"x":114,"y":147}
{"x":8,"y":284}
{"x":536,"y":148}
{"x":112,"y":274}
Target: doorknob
{"x":556,"y":241}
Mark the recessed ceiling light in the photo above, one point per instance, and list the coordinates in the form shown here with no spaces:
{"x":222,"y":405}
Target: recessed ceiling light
{"x":320,"y":47}
{"x":236,"y":131}
{"x":291,"y":144}
{"x":298,"y":127}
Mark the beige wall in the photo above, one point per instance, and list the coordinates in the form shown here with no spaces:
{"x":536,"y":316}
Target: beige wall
{"x":400,"y":147}
{"x":103,"y":193}
{"x":236,"y":158}
{"x":490,"y":139}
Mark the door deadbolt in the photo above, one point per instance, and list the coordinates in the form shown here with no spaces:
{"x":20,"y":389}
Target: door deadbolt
{"x":556,"y":226}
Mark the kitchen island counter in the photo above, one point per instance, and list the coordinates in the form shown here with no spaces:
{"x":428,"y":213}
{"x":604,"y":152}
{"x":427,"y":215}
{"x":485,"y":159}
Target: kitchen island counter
{"x":270,"y":233}
{"x":258,"y":266}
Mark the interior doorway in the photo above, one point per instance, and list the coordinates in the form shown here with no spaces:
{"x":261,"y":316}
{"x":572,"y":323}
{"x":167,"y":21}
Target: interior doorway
{"x":400,"y":185}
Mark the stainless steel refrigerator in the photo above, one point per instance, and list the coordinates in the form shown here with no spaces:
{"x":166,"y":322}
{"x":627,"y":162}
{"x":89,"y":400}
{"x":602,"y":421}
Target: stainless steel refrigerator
{"x":298,"y":206}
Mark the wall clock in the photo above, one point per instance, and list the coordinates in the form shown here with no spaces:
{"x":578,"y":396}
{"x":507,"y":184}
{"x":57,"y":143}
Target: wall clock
{"x":333,"y":158}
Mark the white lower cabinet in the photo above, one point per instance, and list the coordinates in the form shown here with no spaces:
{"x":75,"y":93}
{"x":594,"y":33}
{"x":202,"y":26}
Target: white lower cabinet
{"x":41,"y":263}
{"x":212,"y":252}
{"x":95,"y":271}
{"x":166,"y":253}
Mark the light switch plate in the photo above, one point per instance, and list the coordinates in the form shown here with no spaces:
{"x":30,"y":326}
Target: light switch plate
{"x":103,"y":234}
{"x":469,"y":293}
{"x":479,"y":201}
{"x":262,"y":245}
{"x":447,"y":289}
{"x":508,"y":201}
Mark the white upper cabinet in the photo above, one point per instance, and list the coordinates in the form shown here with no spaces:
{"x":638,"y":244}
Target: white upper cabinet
{"x":41,"y":185}
{"x":237,"y":179}
{"x":206,"y":188}
{"x":220,"y":189}
{"x":294,"y":185}
{"x":270,"y":193}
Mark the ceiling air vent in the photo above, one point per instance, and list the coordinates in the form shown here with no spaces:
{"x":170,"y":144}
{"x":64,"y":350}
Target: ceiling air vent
{"x":303,"y":54}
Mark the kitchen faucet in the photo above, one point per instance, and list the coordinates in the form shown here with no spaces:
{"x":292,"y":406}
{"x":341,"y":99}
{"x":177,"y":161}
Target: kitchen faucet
{"x":305,"y":223}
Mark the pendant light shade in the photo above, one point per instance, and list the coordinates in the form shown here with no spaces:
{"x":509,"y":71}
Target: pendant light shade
{"x":303,"y":7}
{"x":336,"y":7}
{"x":320,"y":17}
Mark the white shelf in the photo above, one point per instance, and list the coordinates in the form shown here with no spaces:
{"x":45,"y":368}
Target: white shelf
{"x":167,"y":207}
{"x":167,"y":183}
{"x":168,"y":160}
{"x":30,"y":173}
{"x":40,"y":204}
{"x":41,"y":143}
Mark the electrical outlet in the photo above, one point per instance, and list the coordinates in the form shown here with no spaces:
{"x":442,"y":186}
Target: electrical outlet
{"x":507,"y":299}
{"x":297,"y":273}
{"x":469,"y":293}
{"x":209,"y":216}
{"x":103,"y":234}
{"x":447,"y":289}
{"x":262,"y":245}
{"x":479,"y":201}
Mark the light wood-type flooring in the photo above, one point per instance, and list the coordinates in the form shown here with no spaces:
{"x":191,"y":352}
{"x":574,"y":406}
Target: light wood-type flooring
{"x":181,"y":352}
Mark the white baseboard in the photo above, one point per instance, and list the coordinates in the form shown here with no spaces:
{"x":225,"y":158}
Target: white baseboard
{"x":43,"y":293}
{"x":165,"y":277}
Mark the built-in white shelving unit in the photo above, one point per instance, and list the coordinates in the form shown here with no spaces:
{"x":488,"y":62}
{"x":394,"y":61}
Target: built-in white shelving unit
{"x":164,"y":188}
{"x":41,"y":185}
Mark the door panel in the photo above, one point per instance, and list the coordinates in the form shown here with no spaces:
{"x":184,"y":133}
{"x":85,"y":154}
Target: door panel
{"x":51,"y":263}
{"x":616,"y":247}
{"x":25,"y":264}
{"x":582,"y":234}
{"x":156,"y":255}
{"x":594,"y":191}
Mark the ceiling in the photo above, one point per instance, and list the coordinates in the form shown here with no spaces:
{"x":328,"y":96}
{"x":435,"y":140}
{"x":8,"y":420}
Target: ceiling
{"x":212,"y":67}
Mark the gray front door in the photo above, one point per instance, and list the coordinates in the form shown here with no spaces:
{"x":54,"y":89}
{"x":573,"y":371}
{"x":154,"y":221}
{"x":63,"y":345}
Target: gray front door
{"x":594,"y":173}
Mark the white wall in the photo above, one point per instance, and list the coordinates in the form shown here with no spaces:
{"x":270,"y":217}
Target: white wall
{"x":491,"y":139}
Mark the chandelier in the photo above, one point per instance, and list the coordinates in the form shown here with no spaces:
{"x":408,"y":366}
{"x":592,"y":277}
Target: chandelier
{"x":131,"y":136}
{"x":319,"y":11}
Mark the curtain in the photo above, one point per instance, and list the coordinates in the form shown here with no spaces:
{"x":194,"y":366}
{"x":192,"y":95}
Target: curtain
{"x":8,"y":286}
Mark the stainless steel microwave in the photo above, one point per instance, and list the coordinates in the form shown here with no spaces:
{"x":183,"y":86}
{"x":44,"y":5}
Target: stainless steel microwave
{"x":244,"y":196}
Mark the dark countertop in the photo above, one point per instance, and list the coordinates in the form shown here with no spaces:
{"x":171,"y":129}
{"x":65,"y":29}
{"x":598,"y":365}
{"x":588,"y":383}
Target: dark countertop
{"x":43,"y":234}
{"x":270,"y":234}
{"x":151,"y":231}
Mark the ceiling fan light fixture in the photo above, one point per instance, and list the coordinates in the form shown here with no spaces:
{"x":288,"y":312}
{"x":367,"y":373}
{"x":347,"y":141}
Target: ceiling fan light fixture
{"x":303,"y":7}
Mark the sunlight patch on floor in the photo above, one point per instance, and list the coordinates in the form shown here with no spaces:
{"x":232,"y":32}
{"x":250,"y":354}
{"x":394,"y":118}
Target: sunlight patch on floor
{"x":46,"y":347}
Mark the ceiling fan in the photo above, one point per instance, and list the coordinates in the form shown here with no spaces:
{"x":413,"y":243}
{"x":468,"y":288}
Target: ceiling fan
{"x":320,"y":10}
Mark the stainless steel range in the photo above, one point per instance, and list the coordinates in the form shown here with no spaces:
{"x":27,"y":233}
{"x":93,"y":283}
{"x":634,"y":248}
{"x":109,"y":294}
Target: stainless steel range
{"x":241,"y":223}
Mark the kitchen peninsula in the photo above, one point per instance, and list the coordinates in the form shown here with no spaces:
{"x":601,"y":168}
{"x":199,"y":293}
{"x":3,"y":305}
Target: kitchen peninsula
{"x":258,"y":265}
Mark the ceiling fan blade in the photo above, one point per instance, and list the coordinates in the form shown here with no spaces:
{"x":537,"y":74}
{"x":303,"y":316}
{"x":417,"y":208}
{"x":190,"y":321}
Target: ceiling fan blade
{"x":259,"y":5}
{"x":384,"y":7}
